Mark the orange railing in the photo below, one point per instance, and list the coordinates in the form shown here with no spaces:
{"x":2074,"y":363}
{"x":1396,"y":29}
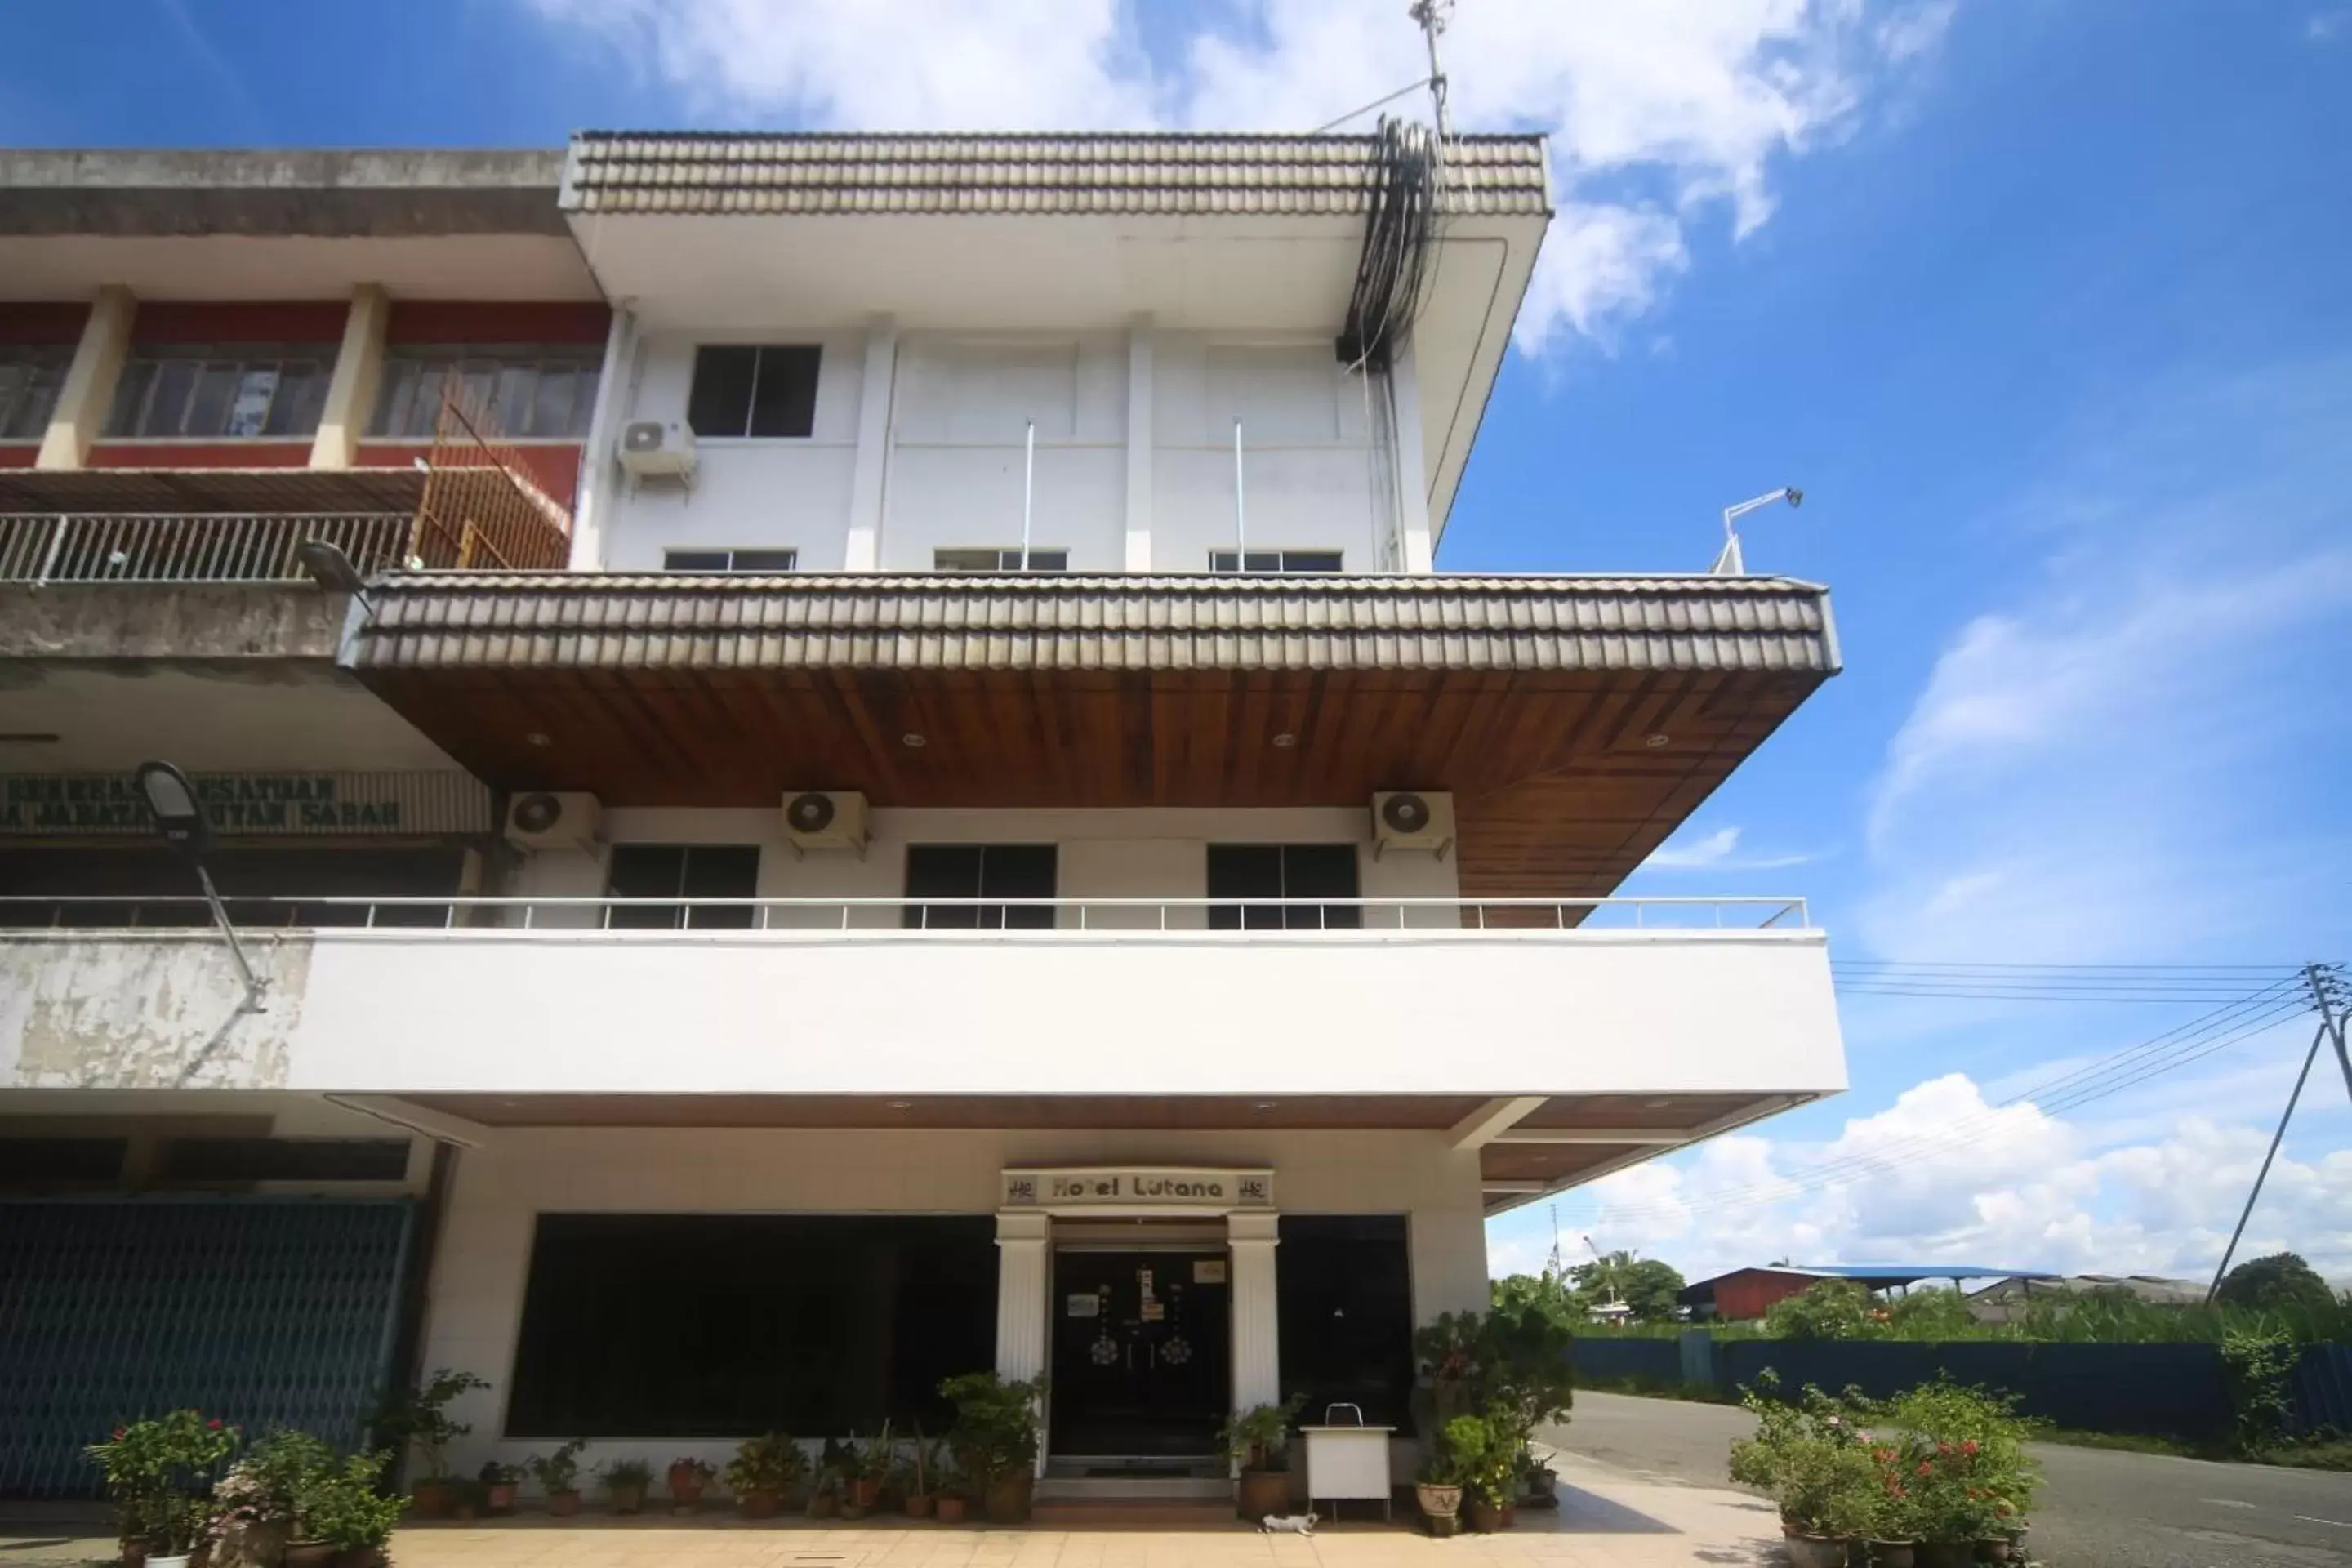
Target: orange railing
{"x":481,"y":510}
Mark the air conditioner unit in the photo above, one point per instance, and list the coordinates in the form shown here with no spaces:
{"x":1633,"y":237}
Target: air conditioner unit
{"x":653,"y":450}
{"x":554,"y":819}
{"x":826,"y":819}
{"x":1412,"y":819}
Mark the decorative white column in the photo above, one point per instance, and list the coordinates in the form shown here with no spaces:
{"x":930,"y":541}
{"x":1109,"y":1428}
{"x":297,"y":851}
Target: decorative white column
{"x":1141,"y":436}
{"x":88,"y":390}
{"x":351,"y":388}
{"x":870,"y":480}
{"x":1257,"y":1363}
{"x":1021,"y":1260}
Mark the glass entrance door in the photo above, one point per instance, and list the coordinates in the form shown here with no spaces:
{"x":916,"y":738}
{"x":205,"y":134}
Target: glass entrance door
{"x":1142,"y":1346}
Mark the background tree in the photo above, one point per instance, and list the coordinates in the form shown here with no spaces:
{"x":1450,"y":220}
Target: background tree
{"x":2282,"y":1280}
{"x":1645,"y":1284}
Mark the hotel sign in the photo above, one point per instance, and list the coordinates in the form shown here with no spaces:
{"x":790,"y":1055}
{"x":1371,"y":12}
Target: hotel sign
{"x":1139,"y":1187}
{"x":251,"y":805}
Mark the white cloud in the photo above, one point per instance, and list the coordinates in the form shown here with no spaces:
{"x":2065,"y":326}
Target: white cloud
{"x":1660,"y":113}
{"x":1715,"y":851}
{"x":2327,"y":27}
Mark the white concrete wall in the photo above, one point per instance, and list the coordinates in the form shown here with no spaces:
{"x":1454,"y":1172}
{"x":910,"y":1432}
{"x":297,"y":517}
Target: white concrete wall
{"x":475,"y":1298}
{"x":952,"y":432}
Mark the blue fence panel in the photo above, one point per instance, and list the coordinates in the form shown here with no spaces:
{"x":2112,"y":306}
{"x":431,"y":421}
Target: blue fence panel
{"x":2319,"y":1391}
{"x":260,"y":1312}
{"x":1658,"y":1361}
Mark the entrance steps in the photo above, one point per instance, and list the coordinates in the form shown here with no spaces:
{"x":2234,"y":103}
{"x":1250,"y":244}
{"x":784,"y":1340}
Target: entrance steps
{"x":1074,"y":1496}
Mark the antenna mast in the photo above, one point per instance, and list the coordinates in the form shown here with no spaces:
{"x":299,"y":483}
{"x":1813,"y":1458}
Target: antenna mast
{"x":1432,"y":16}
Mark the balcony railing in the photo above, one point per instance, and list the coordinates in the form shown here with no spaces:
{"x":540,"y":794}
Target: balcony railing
{"x":929,"y":916}
{"x":162,"y":547}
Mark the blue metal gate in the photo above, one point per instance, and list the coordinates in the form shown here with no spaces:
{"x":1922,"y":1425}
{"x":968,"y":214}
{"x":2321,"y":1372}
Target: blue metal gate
{"x":263,"y":1312}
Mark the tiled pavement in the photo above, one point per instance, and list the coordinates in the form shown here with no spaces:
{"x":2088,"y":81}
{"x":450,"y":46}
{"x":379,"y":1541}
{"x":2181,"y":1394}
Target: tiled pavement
{"x":1608,"y":1519}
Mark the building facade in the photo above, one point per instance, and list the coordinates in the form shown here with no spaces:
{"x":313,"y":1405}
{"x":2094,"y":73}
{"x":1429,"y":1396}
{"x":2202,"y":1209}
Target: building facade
{"x":880,"y":783}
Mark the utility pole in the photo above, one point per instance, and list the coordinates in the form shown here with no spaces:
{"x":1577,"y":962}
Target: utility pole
{"x":2328,"y":998}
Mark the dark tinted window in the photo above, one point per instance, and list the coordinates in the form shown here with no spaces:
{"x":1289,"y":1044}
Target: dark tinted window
{"x":70,"y":877}
{"x":238,"y":1159}
{"x":687,"y":872}
{"x":1000,"y":560}
{"x":742,"y":389}
{"x":1274,"y":560}
{"x":979,"y":871}
{"x":40,"y":1162}
{"x":724,"y":1325}
{"x":1343,"y":1305}
{"x":729,"y":560}
{"x":1284,"y":871}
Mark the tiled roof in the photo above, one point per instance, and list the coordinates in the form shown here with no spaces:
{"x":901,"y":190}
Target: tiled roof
{"x":1138,"y":623}
{"x":628,"y":172}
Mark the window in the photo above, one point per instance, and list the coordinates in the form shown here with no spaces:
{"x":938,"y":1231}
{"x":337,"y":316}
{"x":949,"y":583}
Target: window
{"x":237,"y":1160}
{"x":729,"y":560}
{"x":1283,"y":871}
{"x":999,"y":560}
{"x":1274,"y":560}
{"x":262,"y":887}
{"x":29,"y":380}
{"x":979,"y":871}
{"x":531,"y":393}
{"x":61,"y":1162}
{"x":221,"y":393}
{"x":1343,"y":1314}
{"x":687,"y":871}
{"x":743,"y":390}
{"x":700,"y":1325}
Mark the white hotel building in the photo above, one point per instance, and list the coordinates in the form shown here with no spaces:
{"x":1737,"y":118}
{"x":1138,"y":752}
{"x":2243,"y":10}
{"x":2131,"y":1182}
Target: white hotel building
{"x":734,"y":947}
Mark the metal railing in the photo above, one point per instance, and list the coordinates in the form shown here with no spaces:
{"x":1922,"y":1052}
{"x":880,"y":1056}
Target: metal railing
{"x":1045,"y":917}
{"x":186,"y":547}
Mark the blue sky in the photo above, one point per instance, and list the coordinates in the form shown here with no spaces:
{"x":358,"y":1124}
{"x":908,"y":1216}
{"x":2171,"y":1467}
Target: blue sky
{"x":2042,"y":302}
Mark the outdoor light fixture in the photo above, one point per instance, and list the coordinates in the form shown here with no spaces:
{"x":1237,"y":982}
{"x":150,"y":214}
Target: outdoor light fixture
{"x":1730,"y":563}
{"x":332,"y":570}
{"x":913,"y":740}
{"x":180,"y":822}
{"x":1284,"y":740}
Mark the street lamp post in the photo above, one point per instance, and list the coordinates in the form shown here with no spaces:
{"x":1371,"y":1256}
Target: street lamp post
{"x":180,"y":822}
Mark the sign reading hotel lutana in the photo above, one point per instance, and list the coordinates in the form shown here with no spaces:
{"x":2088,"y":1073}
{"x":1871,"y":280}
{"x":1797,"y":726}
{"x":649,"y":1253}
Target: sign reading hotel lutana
{"x":252,"y":805}
{"x":1139,"y":1186}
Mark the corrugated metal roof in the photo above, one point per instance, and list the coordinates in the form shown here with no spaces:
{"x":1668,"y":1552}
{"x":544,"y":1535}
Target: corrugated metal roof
{"x":634,"y":171}
{"x":1137,"y":623}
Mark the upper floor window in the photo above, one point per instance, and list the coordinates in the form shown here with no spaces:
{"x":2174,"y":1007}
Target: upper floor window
{"x":999,"y":561}
{"x":1284,"y":871}
{"x":979,"y":871}
{"x":743,"y":561}
{"x":29,"y":380}
{"x":685,"y":872}
{"x":229,"y":393}
{"x":531,"y":393}
{"x":748,"y":389}
{"x":1274,"y":560}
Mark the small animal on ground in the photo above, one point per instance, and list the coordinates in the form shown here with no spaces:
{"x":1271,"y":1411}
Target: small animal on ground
{"x":1288,"y":1523}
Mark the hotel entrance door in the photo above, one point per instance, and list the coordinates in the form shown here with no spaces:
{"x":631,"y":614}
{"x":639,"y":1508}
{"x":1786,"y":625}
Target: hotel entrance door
{"x":1142,"y":1347}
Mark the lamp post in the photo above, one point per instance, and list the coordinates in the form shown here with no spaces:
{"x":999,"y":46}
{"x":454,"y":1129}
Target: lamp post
{"x":1730,"y":563}
{"x":180,"y":822}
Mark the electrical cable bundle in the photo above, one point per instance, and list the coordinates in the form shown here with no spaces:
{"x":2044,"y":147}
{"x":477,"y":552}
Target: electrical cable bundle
{"x":1400,"y":231}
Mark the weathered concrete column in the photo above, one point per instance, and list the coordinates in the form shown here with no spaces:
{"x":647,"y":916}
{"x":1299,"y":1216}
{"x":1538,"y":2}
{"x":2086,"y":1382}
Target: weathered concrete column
{"x":1257,"y":1361}
{"x":88,"y":390}
{"x":351,"y":389}
{"x":600,"y":467}
{"x":870,"y":480}
{"x":1141,"y":436}
{"x":1418,"y":551}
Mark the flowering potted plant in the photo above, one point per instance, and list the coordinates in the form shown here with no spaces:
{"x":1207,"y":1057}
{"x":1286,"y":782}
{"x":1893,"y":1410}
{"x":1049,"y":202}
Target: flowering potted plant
{"x":342,"y":1508}
{"x":255,"y":1504}
{"x":158,"y":1471}
{"x":419,"y":1417}
{"x":762,"y":1471}
{"x":625,"y":1481}
{"x":558,"y":1475}
{"x":688,"y":1478}
{"x":1968,"y":1473}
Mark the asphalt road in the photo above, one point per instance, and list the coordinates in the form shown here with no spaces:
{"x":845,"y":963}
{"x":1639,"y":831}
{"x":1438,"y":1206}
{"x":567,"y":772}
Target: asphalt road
{"x":2099,"y":1509}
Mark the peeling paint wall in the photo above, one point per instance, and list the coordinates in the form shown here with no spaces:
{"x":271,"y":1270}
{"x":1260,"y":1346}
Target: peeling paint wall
{"x":147,"y":1012}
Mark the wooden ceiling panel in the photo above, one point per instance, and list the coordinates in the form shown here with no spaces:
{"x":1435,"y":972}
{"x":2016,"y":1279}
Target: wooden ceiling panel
{"x":1157,"y":1112}
{"x":1688,"y":1112}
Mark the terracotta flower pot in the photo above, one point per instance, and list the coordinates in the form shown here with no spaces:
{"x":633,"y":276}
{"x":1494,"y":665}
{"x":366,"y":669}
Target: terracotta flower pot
{"x":762,"y":1504}
{"x":918,"y":1505}
{"x":309,"y":1555}
{"x":686,"y":1486}
{"x":1485,"y":1517}
{"x":1007,"y":1501}
{"x":1807,"y":1551}
{"x":628,"y":1499}
{"x":866,"y":1492}
{"x":1996,"y":1549}
{"x":429,"y":1498}
{"x":1893,"y":1553}
{"x":565,"y":1503}
{"x":500,"y":1496}
{"x":951,"y":1509}
{"x":1946,"y":1553}
{"x":1261,"y":1493}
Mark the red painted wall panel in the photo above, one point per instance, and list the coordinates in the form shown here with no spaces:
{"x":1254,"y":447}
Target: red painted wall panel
{"x":201,"y":454}
{"x":18,"y":454}
{"x":166,"y":321}
{"x":1749,"y":1292}
{"x":43,"y":323}
{"x":497,"y":322}
{"x":555,"y":468}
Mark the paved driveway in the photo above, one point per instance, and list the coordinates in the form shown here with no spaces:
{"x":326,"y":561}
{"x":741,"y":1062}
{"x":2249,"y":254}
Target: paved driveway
{"x":2099,"y":1509}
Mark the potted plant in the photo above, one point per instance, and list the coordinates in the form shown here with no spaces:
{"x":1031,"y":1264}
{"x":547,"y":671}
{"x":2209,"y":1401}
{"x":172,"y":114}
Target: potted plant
{"x":558,"y":1475}
{"x":951,"y":1502}
{"x":869,"y":1467}
{"x":762,"y":1471}
{"x":689,"y":1478}
{"x":160,"y":1473}
{"x":499,"y":1483}
{"x":419,"y":1417}
{"x":922,"y":1469}
{"x":1965,"y":1470}
{"x":1439,"y":1491}
{"x":1484,"y":1454}
{"x":1258,"y":1440}
{"x":343,"y":1509}
{"x":995,"y":1439}
{"x":1538,"y":1481}
{"x":625,"y":1481}
{"x":255,"y":1502}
